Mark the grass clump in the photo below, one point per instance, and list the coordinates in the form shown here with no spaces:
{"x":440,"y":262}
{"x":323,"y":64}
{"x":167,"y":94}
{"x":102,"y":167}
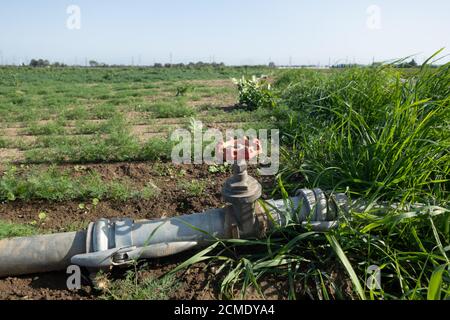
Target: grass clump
{"x":156,"y":149}
{"x":49,"y":184}
{"x":193,"y":188}
{"x":408,"y":246}
{"x":10,"y":230}
{"x":50,"y":128}
{"x":136,"y":286}
{"x":3,"y":143}
{"x":176,"y":109}
{"x":59,"y":185}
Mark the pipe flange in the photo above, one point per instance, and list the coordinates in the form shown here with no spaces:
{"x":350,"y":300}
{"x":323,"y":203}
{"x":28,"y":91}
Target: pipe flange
{"x":261,"y":217}
{"x":307,"y":203}
{"x":321,"y":207}
{"x":243,"y":191}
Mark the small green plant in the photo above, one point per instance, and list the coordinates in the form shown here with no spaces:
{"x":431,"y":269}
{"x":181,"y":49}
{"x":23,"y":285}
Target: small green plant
{"x":255,"y":93}
{"x":42,"y":216}
{"x":176,"y":109}
{"x":76,"y":113}
{"x":150,"y":191}
{"x":182,"y":90}
{"x":52,"y":127}
{"x":194,"y":187}
{"x":136,"y":286}
{"x":223,"y":168}
{"x":120,"y":191}
{"x":3,"y":143}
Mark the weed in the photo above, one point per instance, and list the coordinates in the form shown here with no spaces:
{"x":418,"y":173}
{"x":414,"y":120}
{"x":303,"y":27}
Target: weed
{"x":176,"y":109}
{"x":224,"y":168}
{"x":193,"y":188}
{"x":150,"y":191}
{"x":136,"y":286}
{"x":9,"y":230}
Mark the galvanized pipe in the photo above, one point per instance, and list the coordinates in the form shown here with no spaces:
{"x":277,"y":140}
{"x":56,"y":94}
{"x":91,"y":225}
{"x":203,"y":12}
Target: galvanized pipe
{"x":42,"y":253}
{"x":119,"y":241}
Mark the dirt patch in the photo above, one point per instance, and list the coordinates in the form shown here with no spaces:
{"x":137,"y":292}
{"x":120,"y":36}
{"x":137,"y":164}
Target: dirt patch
{"x":11,"y":155}
{"x":47,"y":286}
{"x":12,"y":131}
{"x":168,"y":121}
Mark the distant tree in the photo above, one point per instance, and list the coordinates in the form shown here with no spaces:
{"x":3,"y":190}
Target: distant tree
{"x":39,"y":63}
{"x":272,"y":64}
{"x":413,"y":63}
{"x":410,"y":64}
{"x":58,"y":64}
{"x":158,"y":65}
{"x":93,"y":63}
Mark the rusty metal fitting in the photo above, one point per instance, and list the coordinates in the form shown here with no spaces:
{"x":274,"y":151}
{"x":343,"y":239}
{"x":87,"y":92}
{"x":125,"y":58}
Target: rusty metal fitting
{"x":241,"y":190}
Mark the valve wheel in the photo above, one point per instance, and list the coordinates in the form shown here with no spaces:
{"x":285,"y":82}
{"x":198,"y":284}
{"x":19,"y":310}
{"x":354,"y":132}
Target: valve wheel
{"x":238,"y":149}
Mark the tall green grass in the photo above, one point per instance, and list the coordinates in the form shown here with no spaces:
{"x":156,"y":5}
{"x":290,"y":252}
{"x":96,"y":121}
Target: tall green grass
{"x":372,"y":131}
{"x":379,"y":135}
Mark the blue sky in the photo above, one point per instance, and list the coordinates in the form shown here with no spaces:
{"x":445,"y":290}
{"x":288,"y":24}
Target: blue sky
{"x":230,"y":31}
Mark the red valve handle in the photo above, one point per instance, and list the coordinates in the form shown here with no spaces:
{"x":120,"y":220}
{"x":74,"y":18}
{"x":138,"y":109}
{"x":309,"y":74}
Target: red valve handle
{"x":238,"y":149}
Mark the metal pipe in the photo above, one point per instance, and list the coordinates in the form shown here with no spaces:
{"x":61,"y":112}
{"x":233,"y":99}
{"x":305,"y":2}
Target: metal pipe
{"x":120,"y":241}
{"x":42,"y":253}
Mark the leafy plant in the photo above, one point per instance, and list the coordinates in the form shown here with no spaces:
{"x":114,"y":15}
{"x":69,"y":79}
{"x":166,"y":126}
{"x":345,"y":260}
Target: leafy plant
{"x":172,"y":109}
{"x":194,"y":187}
{"x":224,"y":168}
{"x":255,"y":93}
{"x":182,"y":90}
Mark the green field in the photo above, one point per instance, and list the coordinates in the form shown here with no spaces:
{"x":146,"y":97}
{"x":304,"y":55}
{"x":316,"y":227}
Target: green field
{"x":106,"y":114}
